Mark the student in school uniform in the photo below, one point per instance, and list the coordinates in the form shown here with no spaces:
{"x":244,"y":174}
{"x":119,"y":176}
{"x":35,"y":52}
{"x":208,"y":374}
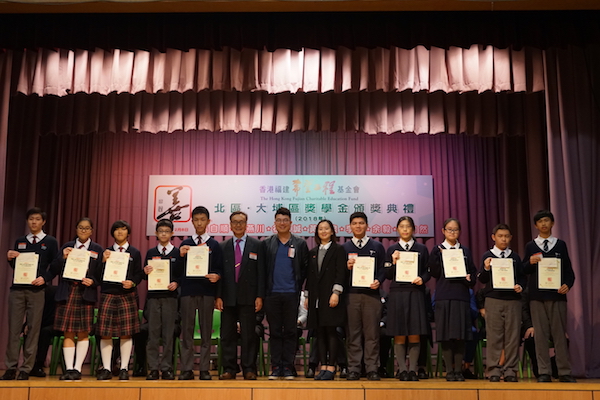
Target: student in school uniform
{"x":502,"y":309}
{"x":198,"y":293}
{"x":118,"y":310}
{"x":452,"y":302}
{"x":161,"y":305}
{"x":76,"y":299}
{"x":327,"y":275}
{"x":364,"y":304}
{"x":407,"y":316}
{"x":240,"y":296}
{"x":549,"y":306}
{"x":27,"y":300}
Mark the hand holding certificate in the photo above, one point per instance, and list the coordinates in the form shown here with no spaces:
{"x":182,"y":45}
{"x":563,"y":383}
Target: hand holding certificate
{"x":26,"y":265}
{"x":160,"y":277}
{"x":407,"y":266}
{"x":503,"y":273}
{"x":77,"y":264}
{"x":549,"y":273}
{"x":363,"y":272}
{"x":116,"y":267}
{"x":454,"y":263}
{"x":197,"y":262}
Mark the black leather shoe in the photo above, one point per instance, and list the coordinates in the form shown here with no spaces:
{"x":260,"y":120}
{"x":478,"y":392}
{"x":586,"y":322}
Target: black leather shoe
{"x":412,"y":376}
{"x":494,"y":378}
{"x":168,"y":375}
{"x":152,"y":376}
{"x":186,"y":375}
{"x":422,"y":374}
{"x":37,"y":372}
{"x":310,"y":373}
{"x":450,"y":376}
{"x":205,"y":376}
{"x":567,"y":379}
{"x":468,"y":374}
{"x":104,"y":375}
{"x":67,"y":376}
{"x":9,"y":375}
{"x":458,"y":377}
{"x":510,"y":379}
{"x":23,"y":376}
{"x":75,"y":375}
{"x":353,"y":376}
{"x":403,"y":376}
{"x":123,"y":375}
{"x":544,"y":378}
{"x":138,"y":372}
{"x":373,"y":376}
{"x":343,"y":372}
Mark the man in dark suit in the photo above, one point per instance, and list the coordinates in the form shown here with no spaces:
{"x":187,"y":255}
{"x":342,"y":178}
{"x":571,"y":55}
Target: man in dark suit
{"x":286,"y":263}
{"x":240,"y":296}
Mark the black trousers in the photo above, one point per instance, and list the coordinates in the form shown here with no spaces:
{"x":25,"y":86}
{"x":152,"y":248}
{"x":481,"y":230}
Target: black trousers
{"x":282,"y":316}
{"x":229,"y":338}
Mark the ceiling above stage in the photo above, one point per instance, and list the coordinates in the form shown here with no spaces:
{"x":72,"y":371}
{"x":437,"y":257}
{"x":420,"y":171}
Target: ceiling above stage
{"x":126,"y":6}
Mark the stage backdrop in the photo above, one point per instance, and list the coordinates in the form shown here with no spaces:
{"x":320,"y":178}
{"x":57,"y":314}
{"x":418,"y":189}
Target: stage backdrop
{"x":310,"y":198}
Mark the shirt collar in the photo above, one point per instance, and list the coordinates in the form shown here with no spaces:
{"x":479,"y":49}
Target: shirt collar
{"x":497,"y":252}
{"x":242,"y":239}
{"x":403,"y":244}
{"x":448,"y":245}
{"x":169,"y":248}
{"x":40,"y":236}
{"x":86,"y":245}
{"x":551,"y":241}
{"x":365,"y":239}
{"x":325,"y":246}
{"x":124,"y":246}
{"x":205,"y":236}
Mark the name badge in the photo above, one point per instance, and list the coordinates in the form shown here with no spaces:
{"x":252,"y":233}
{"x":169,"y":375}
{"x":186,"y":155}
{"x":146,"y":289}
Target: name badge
{"x":291,"y":252}
{"x":253,"y":256}
{"x":22,"y":246}
{"x":352,"y":256}
{"x":156,"y":258}
{"x":93,"y":254}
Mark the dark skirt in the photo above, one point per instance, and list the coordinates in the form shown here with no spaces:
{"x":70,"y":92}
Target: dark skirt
{"x":406,"y":314}
{"x":75,"y":314}
{"x":118,"y":315}
{"x":452,"y":320}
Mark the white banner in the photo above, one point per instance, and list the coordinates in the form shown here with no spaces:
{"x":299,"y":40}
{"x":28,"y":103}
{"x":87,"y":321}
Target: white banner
{"x":310,"y":198}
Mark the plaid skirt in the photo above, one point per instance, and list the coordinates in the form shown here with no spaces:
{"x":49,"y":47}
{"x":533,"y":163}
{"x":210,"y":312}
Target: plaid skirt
{"x":75,"y":314}
{"x":118,"y":315}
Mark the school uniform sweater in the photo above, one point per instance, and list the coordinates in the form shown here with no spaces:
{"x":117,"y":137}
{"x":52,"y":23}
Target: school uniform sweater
{"x":372,"y":248}
{"x":486,"y":278}
{"x":567,"y":273}
{"x":47,"y":249}
{"x":174,"y":271}
{"x":192,"y":286}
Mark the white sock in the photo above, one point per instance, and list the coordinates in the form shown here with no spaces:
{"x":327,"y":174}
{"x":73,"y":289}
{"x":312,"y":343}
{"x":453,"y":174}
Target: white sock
{"x":69,"y":354}
{"x":106,"y":347}
{"x":82,"y":350}
{"x":126,"y":346}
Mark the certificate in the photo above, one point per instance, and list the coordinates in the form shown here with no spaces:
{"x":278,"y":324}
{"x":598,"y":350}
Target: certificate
{"x":549,"y":273}
{"x":454,"y":263}
{"x":160,"y":277}
{"x":77,"y":264}
{"x":116,"y":267}
{"x":407,"y":266}
{"x":363,"y":272}
{"x":197,"y":261}
{"x":503,"y":273}
{"x":26,"y":265}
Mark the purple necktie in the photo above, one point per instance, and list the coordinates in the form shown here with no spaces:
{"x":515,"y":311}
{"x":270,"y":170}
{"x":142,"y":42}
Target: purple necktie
{"x":238,"y":259}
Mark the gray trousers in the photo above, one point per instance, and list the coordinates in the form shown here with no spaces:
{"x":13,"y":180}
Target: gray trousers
{"x":161,"y":314}
{"x":364,"y":314}
{"x":503,"y":329}
{"x":24,"y":304}
{"x":550,"y":323}
{"x":205,"y":306}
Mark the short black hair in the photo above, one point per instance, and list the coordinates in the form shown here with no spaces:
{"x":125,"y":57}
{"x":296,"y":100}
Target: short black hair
{"x":501,"y":226}
{"x":446,"y":222}
{"x":542,"y":214}
{"x":166,"y":223}
{"x":201,"y":210}
{"x":333,"y":235}
{"x":233,"y":214}
{"x":120,"y":224}
{"x":283,"y":211}
{"x":36,"y":210}
{"x":84,"y":219}
{"x":359,"y":214}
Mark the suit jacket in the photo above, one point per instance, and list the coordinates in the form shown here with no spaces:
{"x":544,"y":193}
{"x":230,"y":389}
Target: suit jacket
{"x":299,"y":262}
{"x":251,"y":282}
{"x":320,"y":287}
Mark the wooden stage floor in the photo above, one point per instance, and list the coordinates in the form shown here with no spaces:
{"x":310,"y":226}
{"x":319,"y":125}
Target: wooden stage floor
{"x":89,"y":388}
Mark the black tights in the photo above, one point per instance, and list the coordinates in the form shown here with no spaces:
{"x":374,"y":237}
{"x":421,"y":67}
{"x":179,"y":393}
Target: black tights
{"x":327,"y":345}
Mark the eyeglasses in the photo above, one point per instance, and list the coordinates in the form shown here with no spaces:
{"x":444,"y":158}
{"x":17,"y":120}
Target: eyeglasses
{"x":238,"y":223}
{"x":452,"y":230}
{"x":84,"y":228}
{"x":283,"y":221}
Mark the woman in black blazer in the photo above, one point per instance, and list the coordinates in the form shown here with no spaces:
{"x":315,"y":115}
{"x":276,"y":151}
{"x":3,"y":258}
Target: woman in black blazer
{"x":327,"y":274}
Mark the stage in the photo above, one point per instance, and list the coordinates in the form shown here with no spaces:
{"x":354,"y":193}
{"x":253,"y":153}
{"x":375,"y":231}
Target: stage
{"x":89,"y":388}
